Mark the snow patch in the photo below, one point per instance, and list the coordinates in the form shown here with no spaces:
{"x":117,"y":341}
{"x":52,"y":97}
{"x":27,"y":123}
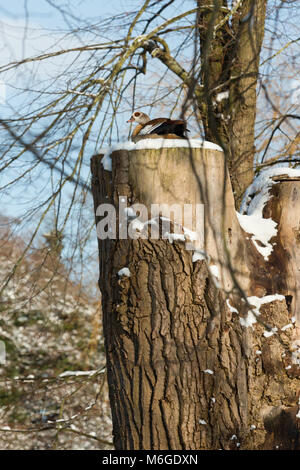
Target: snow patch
{"x":124,"y":272}
{"x":214,"y":270}
{"x":224,"y":95}
{"x":174,"y":236}
{"x":251,"y":212}
{"x":190,"y":234}
{"x":268,"y":334}
{"x":262,"y":231}
{"x":257,"y":194}
{"x":130,"y":212}
{"x":232,"y":309}
{"x":156,"y":144}
{"x":199,"y":256}
{"x":250,"y":319}
{"x":137,"y":225}
{"x":106,"y":162}
{"x":77,"y":373}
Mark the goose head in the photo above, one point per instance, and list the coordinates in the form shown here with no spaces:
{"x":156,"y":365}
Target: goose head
{"x":139,"y":118}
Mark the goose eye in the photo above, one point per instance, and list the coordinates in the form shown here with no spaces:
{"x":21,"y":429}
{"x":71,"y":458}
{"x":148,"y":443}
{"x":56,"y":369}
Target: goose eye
{"x":137,"y":114}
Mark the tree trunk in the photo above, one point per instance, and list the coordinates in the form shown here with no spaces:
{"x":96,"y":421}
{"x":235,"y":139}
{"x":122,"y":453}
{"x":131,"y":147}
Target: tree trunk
{"x":183,"y":372}
{"x":230,"y":62}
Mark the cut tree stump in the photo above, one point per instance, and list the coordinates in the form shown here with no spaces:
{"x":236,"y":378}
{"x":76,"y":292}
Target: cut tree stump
{"x":183,"y":372}
{"x":284,"y":263}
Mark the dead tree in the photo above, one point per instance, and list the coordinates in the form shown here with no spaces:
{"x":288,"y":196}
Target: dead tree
{"x":183,"y":370}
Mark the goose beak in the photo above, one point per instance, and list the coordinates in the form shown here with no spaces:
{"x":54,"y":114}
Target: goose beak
{"x":131,"y":119}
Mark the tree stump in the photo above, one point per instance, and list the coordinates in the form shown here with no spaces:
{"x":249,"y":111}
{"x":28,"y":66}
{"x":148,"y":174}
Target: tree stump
{"x":183,"y":371}
{"x":284,"y":208}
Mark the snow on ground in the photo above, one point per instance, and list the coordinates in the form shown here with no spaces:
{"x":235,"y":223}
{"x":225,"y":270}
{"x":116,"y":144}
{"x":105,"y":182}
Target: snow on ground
{"x":53,"y":369}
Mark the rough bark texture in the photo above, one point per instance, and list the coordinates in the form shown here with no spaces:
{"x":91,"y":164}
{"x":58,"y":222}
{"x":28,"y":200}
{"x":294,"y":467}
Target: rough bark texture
{"x":182,"y":371}
{"x":283,"y":208}
{"x":230,"y":61}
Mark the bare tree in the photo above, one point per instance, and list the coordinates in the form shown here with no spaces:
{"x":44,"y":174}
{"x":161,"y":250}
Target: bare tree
{"x":201,"y":60}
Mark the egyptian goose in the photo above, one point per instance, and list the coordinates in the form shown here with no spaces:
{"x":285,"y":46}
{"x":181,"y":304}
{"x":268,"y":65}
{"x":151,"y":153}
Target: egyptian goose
{"x":168,"y":128}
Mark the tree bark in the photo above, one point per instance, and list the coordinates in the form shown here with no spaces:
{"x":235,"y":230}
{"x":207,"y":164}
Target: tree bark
{"x":284,"y":262}
{"x":183,"y":372}
{"x":230,"y":62}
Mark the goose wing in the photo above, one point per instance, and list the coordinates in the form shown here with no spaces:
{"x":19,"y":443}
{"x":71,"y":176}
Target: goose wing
{"x":154,"y":125}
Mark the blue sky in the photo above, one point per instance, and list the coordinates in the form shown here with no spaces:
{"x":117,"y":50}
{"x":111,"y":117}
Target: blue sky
{"x":45,"y":14}
{"x":29,"y":28}
{"x":47,"y":29}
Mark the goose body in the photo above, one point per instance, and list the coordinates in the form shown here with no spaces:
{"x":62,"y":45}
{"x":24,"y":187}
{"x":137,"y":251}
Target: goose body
{"x":160,"y":126}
